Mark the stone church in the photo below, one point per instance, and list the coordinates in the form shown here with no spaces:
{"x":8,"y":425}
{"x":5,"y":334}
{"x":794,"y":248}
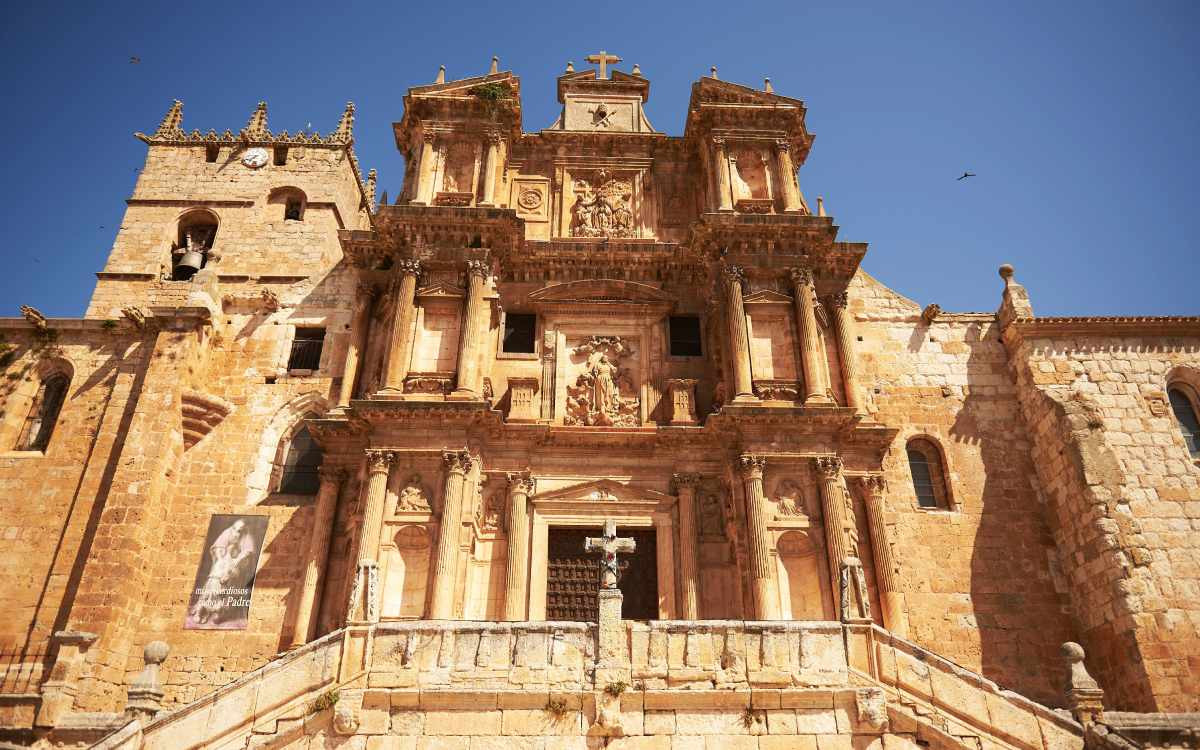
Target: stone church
{"x":591,"y":437}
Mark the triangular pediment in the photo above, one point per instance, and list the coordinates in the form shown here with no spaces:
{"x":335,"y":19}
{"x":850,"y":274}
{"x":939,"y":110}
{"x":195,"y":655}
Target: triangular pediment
{"x":762,"y":296}
{"x":601,"y":491}
{"x":715,"y":91}
{"x":463,"y":86}
{"x":441,"y":289}
{"x":601,"y":290}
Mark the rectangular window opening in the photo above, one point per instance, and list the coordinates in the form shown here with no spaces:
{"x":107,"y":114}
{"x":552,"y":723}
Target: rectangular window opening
{"x":280,"y":155}
{"x":211,"y":153}
{"x":685,"y":336}
{"x":520,"y":331}
{"x":306,"y":349}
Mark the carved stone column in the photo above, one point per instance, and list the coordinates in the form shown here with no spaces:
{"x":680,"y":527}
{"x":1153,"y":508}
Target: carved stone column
{"x":894,"y":616}
{"x":426,"y":169}
{"x":458,"y":465}
{"x":490,"y":163}
{"x":689,"y":560}
{"x":843,"y":321}
{"x":400,"y":346}
{"x":364,"y":596}
{"x":787,"y":175}
{"x":721,"y":164}
{"x":765,"y":605}
{"x":739,"y":341}
{"x":469,"y":342}
{"x":816,"y":369}
{"x":318,"y":551}
{"x":833,"y":511}
{"x":516,"y":589}
{"x":359,"y":326}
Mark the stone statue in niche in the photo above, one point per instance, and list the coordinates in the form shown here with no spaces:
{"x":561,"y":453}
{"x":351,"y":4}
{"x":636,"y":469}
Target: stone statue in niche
{"x":602,"y":207}
{"x":712,"y":521}
{"x":596,"y":398}
{"x":789,"y":499}
{"x":488,"y":513}
{"x":413,"y":497}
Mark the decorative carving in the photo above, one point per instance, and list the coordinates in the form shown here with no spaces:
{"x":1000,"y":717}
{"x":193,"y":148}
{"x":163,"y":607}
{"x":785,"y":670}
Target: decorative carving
{"x":871,"y":705}
{"x":733,"y":275}
{"x":530,"y":199}
{"x":595,"y":399}
{"x":490,"y":509}
{"x":519,"y":482}
{"x":457,"y":461}
{"x":34,"y":317}
{"x":754,"y":205}
{"x":456,"y":198}
{"x":477,"y":268}
{"x":441,"y":383}
{"x":789,"y":498}
{"x":603,"y":207}
{"x":840,"y":300}
{"x":136,"y":315}
{"x":602,"y":495}
{"x":828,"y":466}
{"x":1157,"y":401}
{"x":685,"y":480}
{"x":408,"y":268}
{"x":413,"y":496}
{"x":751,"y":465}
{"x":683,"y":401}
{"x":379,"y":461}
{"x":801,"y":277}
{"x":778,"y":390}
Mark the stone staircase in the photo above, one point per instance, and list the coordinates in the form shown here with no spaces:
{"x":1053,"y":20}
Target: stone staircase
{"x":677,"y":685}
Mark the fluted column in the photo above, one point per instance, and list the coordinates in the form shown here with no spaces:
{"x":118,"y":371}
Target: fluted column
{"x":425,"y":170}
{"x":364,"y":597}
{"x":689,"y":561}
{"x":843,"y":321}
{"x":812,"y":356}
{"x":787,"y":175}
{"x":894,"y":617}
{"x":833,"y":511}
{"x":742,"y":386}
{"x":458,"y":465}
{"x":516,"y":589}
{"x":489,"y":170}
{"x":359,"y":326}
{"x":471,"y":338}
{"x":400,"y":347}
{"x":721,"y":164}
{"x":765,"y":604}
{"x":318,"y":552}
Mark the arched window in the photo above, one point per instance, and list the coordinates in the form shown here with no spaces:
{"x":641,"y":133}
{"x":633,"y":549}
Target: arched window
{"x":288,"y":202}
{"x":1185,"y":414}
{"x":193,"y":243}
{"x":928,"y":474}
{"x":300,"y":465}
{"x":43,"y":413}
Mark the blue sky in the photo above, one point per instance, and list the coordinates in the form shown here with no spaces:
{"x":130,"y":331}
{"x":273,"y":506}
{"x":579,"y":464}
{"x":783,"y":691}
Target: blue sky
{"x":1081,"y":120}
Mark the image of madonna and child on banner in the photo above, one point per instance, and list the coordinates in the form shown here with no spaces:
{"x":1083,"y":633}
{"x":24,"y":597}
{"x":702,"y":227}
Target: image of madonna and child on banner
{"x":225,"y":578}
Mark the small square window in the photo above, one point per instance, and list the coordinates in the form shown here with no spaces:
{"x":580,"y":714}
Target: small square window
{"x":685,"y":336}
{"x":280,"y":155}
{"x":520,"y":330}
{"x":306,"y":349}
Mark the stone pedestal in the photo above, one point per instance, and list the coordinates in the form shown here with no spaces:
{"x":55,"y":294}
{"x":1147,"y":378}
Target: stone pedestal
{"x":145,"y":693}
{"x":682,"y":392}
{"x":58,"y":692}
{"x":611,"y":646}
{"x":521,"y":404}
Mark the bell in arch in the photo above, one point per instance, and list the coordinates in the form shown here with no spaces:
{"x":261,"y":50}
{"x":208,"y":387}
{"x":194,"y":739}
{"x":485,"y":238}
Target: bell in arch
{"x":191,"y":258}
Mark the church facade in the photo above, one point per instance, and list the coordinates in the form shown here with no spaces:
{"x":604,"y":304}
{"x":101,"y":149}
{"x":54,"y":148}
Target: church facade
{"x":317,"y":466}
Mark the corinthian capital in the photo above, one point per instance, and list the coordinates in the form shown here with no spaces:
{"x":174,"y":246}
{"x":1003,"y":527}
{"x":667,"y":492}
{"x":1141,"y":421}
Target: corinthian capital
{"x":519,"y":482}
{"x":828,"y":466}
{"x":458,"y":462}
{"x":685,"y":480}
{"x":477,"y":268}
{"x":840,"y":300}
{"x":801,"y":276}
{"x":733,"y":274}
{"x":751,"y":466}
{"x":408,"y":267}
{"x":379,"y":461}
{"x":874,"y":484}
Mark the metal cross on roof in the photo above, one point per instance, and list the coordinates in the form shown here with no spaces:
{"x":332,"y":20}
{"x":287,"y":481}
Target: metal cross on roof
{"x":604,"y":60}
{"x":609,"y":545}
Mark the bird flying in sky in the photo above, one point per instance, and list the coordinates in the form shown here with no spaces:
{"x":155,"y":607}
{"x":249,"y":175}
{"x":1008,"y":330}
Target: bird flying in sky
{"x":965,"y":175}
{"x":134,"y":60}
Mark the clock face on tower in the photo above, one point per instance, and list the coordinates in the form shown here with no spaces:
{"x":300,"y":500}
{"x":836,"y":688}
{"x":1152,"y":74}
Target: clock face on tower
{"x":255,"y":157}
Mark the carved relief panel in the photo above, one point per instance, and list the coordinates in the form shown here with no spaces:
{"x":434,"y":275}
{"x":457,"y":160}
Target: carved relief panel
{"x":603,"y":383}
{"x":603,"y":203}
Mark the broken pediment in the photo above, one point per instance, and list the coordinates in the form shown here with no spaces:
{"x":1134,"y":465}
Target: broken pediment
{"x":601,"y":291}
{"x":601,"y":491}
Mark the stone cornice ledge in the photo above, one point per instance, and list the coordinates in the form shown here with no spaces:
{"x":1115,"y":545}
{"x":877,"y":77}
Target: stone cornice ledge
{"x":1165,"y":325}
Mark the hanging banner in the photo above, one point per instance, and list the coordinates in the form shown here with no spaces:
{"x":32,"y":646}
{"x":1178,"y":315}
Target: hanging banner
{"x":225,"y":578}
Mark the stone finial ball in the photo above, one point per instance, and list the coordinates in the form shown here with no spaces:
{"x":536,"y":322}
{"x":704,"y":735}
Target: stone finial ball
{"x":156,"y":652}
{"x":1072,"y":651}
{"x":1006,"y":271}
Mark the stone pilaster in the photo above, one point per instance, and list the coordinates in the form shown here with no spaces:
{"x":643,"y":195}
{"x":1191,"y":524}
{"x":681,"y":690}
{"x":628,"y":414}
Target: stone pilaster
{"x":894,"y":617}
{"x":833,"y":511}
{"x":318,"y":552}
{"x":812,"y":357}
{"x":426,"y":169}
{"x":364,"y":596}
{"x":787,"y":175}
{"x":721,"y":165}
{"x":359,"y":327}
{"x":689,"y":560}
{"x":469,"y":342}
{"x":739,"y":340}
{"x":490,"y":165}
{"x":843,"y":321}
{"x":403,"y":315}
{"x":516,"y":584}
{"x":765,"y":605}
{"x":458,"y":465}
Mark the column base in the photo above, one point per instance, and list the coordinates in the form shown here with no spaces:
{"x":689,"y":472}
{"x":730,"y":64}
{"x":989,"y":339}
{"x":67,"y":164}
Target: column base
{"x":815,"y":400}
{"x":746,"y":398}
{"x":389,"y":392}
{"x":463,"y":394}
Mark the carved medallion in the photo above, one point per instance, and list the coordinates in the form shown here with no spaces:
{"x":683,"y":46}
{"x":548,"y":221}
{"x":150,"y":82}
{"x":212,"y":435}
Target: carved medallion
{"x":530,"y":199}
{"x":604,"y":394}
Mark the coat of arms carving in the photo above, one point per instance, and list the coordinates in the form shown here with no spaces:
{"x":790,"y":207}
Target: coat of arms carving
{"x":603,"y":207}
{"x":604,"y":393}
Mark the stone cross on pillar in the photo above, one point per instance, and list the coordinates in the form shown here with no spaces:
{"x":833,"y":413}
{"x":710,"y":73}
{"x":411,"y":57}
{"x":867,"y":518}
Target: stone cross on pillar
{"x":603,"y":60}
{"x":609,"y":546}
